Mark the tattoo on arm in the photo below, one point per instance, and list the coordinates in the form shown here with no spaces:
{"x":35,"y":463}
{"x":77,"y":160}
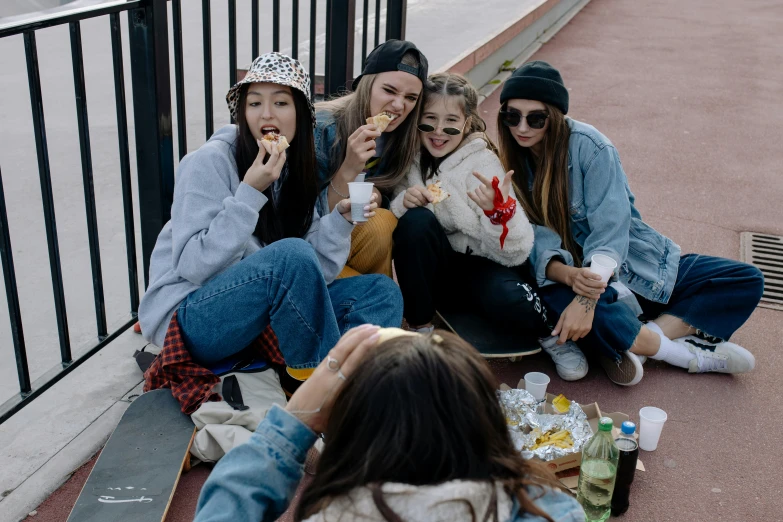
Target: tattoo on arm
{"x":588,"y":303}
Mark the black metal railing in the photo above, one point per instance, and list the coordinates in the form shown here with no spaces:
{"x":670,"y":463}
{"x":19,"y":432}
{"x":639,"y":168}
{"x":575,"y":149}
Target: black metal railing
{"x":151,"y":93}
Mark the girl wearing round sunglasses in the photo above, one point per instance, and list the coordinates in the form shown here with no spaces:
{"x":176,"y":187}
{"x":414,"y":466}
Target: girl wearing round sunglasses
{"x":571,"y":184}
{"x":458,"y":252}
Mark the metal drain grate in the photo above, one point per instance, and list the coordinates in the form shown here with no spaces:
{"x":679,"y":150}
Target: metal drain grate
{"x":765,"y":252}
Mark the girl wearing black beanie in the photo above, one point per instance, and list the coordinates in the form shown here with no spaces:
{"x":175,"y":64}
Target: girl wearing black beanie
{"x":571,"y":184}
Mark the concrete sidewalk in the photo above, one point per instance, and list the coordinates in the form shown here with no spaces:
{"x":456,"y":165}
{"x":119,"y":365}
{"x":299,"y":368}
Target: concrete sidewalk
{"x":690,"y":95}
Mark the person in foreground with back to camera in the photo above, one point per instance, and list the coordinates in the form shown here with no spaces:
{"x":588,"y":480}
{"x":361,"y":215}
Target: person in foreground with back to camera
{"x":469,"y":250}
{"x":245,"y":247}
{"x":570,"y":181}
{"x":413,"y":432}
{"x":348,"y":145}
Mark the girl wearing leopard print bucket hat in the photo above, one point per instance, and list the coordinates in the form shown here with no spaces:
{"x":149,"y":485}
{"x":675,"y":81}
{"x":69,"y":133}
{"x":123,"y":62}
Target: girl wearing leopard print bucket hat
{"x":245,"y":247}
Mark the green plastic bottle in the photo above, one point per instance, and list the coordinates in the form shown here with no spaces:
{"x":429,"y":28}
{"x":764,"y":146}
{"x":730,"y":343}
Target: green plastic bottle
{"x":598,"y":472}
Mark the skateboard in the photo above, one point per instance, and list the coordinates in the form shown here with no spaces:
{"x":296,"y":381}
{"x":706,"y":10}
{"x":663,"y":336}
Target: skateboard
{"x":138,"y":469}
{"x":490,"y":341}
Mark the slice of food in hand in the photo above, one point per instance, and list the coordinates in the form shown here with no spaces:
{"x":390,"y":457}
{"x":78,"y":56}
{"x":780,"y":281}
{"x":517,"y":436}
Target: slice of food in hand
{"x":278,"y":139}
{"x":437,"y":192}
{"x":381,"y":120}
{"x":390,"y":333}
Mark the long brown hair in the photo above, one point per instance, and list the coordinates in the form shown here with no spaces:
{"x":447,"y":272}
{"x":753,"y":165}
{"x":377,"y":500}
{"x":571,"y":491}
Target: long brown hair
{"x":440,"y":85}
{"x":548,"y":204}
{"x":292,"y":214}
{"x":351,"y":112}
{"x":422,"y":410}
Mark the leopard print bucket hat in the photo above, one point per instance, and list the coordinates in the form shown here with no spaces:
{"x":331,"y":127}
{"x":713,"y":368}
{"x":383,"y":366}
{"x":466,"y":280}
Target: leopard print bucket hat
{"x":274,"y":68}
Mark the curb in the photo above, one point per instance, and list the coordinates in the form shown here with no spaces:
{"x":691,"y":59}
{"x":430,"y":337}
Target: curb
{"x":57,"y":470}
{"x":49,"y":439}
{"x":488,"y":64}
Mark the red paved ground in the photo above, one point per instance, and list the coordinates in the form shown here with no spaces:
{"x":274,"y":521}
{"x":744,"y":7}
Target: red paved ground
{"x":690,"y":93}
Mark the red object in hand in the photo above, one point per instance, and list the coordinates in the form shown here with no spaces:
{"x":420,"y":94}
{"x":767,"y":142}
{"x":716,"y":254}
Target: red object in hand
{"x":503,"y":211}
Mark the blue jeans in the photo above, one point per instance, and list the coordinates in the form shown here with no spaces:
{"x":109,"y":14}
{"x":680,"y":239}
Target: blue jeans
{"x":712,"y":294}
{"x":282,"y":285}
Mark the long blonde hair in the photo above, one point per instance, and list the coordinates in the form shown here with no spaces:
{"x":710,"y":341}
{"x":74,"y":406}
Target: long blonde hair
{"x":351,"y":112}
{"x":548,"y":204}
{"x":441,"y":85}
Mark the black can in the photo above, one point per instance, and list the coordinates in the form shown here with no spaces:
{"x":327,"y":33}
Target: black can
{"x":626,"y":466}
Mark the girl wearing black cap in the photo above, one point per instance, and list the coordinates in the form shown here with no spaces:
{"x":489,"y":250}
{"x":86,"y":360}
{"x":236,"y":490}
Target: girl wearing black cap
{"x":569,"y":179}
{"x":347,"y":146}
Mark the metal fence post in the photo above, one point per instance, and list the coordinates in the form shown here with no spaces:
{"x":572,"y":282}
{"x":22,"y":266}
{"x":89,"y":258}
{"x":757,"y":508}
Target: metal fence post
{"x":395,"y":19}
{"x":340,"y":20}
{"x":149,"y":53}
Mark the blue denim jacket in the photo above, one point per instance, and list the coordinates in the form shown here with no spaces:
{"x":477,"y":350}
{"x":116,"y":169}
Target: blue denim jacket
{"x":325,"y":137}
{"x":604,"y":220}
{"x":257,"y":480}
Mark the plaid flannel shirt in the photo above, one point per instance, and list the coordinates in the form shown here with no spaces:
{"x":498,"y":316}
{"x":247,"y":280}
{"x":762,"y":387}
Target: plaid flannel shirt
{"x":190,"y":383}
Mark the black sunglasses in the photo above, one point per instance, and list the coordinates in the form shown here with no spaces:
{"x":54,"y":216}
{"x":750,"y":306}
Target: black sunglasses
{"x":451,"y":131}
{"x":535,"y":120}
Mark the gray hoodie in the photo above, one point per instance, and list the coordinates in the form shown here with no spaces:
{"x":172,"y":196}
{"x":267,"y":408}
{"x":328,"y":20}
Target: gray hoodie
{"x":212,"y":222}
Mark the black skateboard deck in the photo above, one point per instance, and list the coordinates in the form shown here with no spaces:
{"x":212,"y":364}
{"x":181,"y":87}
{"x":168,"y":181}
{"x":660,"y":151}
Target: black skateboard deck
{"x":138,"y":469}
{"x":490,"y":341}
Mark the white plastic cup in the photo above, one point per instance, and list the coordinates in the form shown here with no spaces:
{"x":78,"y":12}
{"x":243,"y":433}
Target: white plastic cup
{"x":536,"y":383}
{"x":651,"y":421}
{"x":603,"y":266}
{"x":360,"y":194}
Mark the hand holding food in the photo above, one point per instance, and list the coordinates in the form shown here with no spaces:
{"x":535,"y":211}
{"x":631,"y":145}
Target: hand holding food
{"x":437,"y":192}
{"x":262,"y":174}
{"x":381,"y":121}
{"x":416,"y":196}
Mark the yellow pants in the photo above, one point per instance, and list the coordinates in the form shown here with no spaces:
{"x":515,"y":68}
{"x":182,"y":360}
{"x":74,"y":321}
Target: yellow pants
{"x":371,"y":246}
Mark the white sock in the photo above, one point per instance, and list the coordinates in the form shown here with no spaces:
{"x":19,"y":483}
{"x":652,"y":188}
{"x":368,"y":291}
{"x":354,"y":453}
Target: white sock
{"x":673,"y":353}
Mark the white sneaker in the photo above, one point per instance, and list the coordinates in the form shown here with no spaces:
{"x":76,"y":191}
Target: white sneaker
{"x":714,"y":356}
{"x":570,"y":362}
{"x":627,"y":372}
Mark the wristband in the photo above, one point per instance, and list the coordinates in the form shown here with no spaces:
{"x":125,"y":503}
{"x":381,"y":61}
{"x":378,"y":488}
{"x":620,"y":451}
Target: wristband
{"x":503,"y":211}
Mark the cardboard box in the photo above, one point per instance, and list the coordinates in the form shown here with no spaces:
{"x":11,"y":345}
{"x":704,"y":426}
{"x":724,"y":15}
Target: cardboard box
{"x":571,"y":462}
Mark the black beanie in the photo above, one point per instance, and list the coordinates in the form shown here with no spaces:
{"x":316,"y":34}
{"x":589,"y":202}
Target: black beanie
{"x":536,"y":81}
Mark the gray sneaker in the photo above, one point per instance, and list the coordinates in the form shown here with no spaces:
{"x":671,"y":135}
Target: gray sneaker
{"x":627,"y":372}
{"x":720,"y":357}
{"x":570,"y":362}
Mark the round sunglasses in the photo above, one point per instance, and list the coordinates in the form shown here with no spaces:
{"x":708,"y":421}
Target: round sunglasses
{"x":451,"y":131}
{"x":535,"y":120}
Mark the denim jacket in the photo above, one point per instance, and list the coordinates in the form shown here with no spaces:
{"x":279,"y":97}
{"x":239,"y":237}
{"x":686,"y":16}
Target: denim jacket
{"x":605,"y":221}
{"x":325,"y":137}
{"x":257,"y":480}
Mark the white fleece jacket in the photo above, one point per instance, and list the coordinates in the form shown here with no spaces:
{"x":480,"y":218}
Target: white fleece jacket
{"x":464,"y":222}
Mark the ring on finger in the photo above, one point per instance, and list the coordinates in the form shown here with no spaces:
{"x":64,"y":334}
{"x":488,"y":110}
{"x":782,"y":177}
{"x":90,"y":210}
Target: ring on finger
{"x":332,"y":364}
{"x":340,"y":375}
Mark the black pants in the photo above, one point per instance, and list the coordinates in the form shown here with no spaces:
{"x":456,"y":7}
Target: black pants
{"x":433,"y":276}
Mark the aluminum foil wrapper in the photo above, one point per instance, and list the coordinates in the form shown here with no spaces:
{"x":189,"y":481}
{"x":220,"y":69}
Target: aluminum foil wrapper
{"x":520,"y":409}
{"x":516,"y":404}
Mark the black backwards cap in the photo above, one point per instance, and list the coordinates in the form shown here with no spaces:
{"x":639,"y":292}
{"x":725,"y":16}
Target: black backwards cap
{"x":388,"y":57}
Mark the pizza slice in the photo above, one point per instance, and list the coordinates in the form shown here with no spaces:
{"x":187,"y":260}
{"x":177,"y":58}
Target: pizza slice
{"x":381,"y":120}
{"x":437,"y":192}
{"x":279,"y":139}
